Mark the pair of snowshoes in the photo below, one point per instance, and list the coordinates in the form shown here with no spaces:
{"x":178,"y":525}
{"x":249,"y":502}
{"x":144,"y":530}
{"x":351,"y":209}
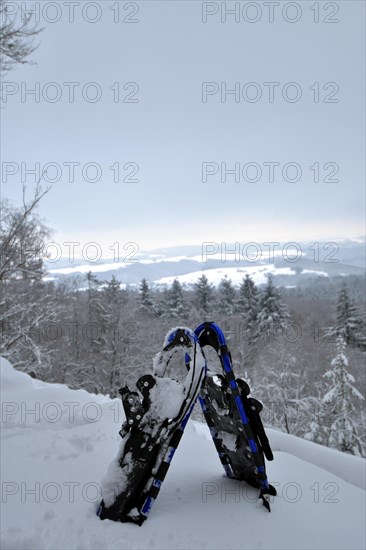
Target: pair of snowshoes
{"x":157,"y":413}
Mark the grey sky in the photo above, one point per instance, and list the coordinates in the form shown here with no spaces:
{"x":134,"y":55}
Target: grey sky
{"x":170,"y":132}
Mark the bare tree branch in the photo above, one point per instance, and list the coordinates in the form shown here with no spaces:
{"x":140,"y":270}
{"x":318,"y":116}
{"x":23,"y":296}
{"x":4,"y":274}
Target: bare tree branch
{"x":22,"y":237}
{"x":16,"y":38}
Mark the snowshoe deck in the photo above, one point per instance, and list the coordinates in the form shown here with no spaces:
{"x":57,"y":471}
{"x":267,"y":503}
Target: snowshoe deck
{"x":156,"y":415}
{"x":234,"y":418}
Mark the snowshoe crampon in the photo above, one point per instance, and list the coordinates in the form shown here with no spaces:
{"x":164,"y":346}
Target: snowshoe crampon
{"x":156,"y":414}
{"x":234,"y":418}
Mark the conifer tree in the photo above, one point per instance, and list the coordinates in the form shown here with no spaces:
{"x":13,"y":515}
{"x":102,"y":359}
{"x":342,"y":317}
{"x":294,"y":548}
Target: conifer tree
{"x":248,"y":306}
{"x":348,"y":321}
{"x":145,"y":299}
{"x":273,"y":316}
{"x":227,"y":296}
{"x":340,"y":399}
{"x":173,"y":303}
{"x":204,"y":295}
{"x":112,"y":290}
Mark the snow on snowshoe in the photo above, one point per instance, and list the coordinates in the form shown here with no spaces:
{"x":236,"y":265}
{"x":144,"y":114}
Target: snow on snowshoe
{"x":156,"y":415}
{"x":234,"y":418}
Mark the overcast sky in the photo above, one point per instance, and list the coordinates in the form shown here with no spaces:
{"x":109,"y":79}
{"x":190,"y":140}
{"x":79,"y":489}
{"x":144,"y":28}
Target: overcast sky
{"x":167,"y":135}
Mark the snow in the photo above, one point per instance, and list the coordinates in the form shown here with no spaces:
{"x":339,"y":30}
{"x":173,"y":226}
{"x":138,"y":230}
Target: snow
{"x":315,"y":272}
{"x":163,"y":360}
{"x":258,"y":273}
{"x":54,"y":458}
{"x":347,"y":467}
{"x":166,"y":398}
{"x":86,"y":267}
{"x":98,"y":267}
{"x":115,"y":477}
{"x":229,"y":440}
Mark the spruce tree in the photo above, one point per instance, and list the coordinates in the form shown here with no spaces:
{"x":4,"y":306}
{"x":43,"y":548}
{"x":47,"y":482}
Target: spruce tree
{"x":248,"y":306}
{"x":226,"y":297}
{"x":204,"y":294}
{"x":340,"y":399}
{"x":348,"y":321}
{"x":145,"y":299}
{"x":112,"y":290}
{"x":173,"y":304}
{"x":273,"y":316}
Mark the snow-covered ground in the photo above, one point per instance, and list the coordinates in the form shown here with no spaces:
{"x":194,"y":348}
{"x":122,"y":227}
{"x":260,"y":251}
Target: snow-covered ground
{"x":259,"y":274}
{"x":57,"y":443}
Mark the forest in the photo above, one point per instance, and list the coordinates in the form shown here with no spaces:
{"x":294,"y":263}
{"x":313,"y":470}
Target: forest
{"x":300,"y":348}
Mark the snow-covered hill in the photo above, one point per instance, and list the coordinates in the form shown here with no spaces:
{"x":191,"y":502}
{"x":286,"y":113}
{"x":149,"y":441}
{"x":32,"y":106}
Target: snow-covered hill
{"x":259,"y":274}
{"x":56,"y":444}
{"x":187,"y":263}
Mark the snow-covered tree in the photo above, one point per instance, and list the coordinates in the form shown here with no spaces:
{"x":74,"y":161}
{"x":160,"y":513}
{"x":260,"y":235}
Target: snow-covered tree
{"x":273,"y":316}
{"x":226,"y":296}
{"x":97,"y":314}
{"x":282,"y":391}
{"x":317,"y":430}
{"x":112,"y":290}
{"x":340,"y":399}
{"x":204,"y":295}
{"x":22,"y":239}
{"x":348,"y":321}
{"x":146,"y":302}
{"x":27,"y":309}
{"x":173,"y":304}
{"x":114,"y":299}
{"x":248,"y":306}
{"x":27,"y":304}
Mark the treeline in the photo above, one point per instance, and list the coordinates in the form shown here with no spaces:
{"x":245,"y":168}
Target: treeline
{"x":101,"y":336}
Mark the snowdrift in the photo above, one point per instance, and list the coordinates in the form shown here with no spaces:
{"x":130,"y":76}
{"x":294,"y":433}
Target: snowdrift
{"x":57,"y":443}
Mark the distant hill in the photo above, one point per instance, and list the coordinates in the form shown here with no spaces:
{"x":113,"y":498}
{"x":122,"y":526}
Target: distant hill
{"x":286,"y":264}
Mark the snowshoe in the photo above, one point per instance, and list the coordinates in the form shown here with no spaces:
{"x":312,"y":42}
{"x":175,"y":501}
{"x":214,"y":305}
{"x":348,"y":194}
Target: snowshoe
{"x":156,"y":415}
{"x":234,"y":418}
